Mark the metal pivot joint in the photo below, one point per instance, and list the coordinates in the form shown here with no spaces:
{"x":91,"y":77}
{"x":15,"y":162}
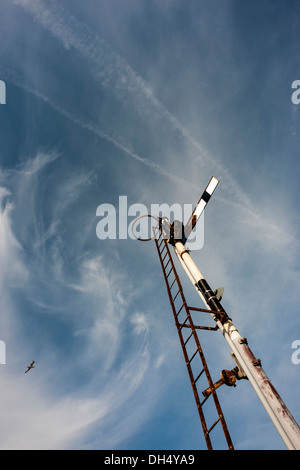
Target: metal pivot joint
{"x":228,"y":377}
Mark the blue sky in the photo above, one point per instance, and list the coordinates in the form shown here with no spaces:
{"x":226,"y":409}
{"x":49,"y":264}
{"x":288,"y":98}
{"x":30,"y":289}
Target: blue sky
{"x":144,"y":99}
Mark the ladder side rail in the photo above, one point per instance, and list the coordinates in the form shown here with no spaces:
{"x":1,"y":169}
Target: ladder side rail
{"x":199,"y":350}
{"x":187,"y":361}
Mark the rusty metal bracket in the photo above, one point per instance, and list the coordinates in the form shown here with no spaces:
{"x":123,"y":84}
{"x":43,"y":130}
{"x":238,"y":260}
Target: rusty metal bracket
{"x":256,"y":362}
{"x":240,"y":373}
{"x":243,"y":341}
{"x":228,"y":377}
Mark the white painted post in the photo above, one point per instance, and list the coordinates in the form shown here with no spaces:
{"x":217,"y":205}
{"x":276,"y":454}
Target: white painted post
{"x":284,"y":422}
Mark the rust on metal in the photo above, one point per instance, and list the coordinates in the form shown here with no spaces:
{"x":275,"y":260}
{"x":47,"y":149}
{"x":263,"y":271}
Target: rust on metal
{"x":164,"y":253}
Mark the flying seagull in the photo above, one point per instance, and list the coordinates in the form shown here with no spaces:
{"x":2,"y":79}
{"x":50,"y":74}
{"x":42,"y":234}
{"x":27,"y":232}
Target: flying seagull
{"x":30,"y":367}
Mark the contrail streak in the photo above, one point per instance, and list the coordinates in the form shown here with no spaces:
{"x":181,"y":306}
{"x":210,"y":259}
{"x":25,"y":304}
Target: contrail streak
{"x":85,"y":124}
{"x":115,"y":74}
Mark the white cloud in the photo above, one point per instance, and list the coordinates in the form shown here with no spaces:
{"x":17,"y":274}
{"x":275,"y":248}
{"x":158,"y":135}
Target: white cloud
{"x":105,"y":63}
{"x":96,"y":129}
{"x":33,"y":165}
{"x":140,"y":323}
{"x":37,"y":411}
{"x":34,"y":420}
{"x":12,"y":266}
{"x":259,"y":248}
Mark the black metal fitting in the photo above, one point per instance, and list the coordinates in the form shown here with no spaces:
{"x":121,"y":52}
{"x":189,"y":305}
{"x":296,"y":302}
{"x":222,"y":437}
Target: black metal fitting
{"x":256,"y":362}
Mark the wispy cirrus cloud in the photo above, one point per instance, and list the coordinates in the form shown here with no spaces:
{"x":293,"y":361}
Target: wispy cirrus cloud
{"x":12,"y":267}
{"x":96,"y":312}
{"x":94,"y":128}
{"x":106,"y":334}
{"x":115,"y":74}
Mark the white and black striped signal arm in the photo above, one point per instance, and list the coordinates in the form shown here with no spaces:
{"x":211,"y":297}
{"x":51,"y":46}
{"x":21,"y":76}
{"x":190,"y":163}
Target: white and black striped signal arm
{"x":200,"y":207}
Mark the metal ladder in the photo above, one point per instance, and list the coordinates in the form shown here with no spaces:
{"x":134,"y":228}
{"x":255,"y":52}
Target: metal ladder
{"x":189,"y":340}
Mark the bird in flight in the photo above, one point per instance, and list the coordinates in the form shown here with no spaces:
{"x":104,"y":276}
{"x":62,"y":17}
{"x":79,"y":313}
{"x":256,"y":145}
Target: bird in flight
{"x":30,"y":367}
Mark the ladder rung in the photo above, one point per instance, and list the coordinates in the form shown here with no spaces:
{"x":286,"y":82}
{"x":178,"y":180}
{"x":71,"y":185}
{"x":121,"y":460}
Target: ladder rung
{"x":169,"y":272}
{"x":163,"y":259}
{"x":190,"y":360}
{"x":199,"y":375}
{"x":179,"y":313}
{"x":176,"y":294}
{"x":157,"y":233}
{"x":160,"y":243}
{"x":167,"y":263}
{"x":212,"y":427}
{"x":203,"y":401}
{"x":183,"y":322}
{"x":162,"y":251}
{"x":188,"y":338}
